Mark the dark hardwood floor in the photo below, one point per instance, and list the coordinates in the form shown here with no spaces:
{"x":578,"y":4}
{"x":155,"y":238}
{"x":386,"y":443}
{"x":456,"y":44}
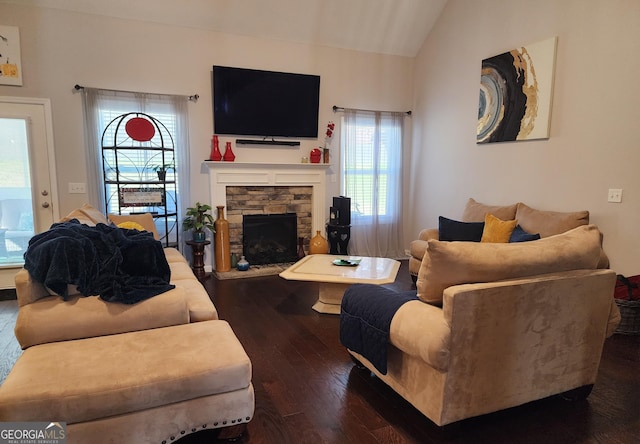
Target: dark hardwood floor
{"x":308,"y":391}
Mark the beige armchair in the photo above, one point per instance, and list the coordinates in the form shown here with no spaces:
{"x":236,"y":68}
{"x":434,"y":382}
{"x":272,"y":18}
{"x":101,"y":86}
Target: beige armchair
{"x":494,"y":325}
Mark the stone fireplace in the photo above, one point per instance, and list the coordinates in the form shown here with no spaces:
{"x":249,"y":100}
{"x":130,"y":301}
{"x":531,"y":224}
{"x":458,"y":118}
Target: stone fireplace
{"x":271,"y":200}
{"x":269,"y":188}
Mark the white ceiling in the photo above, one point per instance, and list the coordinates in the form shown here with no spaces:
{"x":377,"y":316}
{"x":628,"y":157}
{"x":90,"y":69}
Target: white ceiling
{"x":397,"y":27}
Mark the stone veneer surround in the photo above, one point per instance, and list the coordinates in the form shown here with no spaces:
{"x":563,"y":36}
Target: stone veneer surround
{"x":223,"y":175}
{"x":242,"y":200}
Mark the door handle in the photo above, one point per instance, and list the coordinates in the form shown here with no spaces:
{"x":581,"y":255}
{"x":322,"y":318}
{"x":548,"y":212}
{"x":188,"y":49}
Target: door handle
{"x":44,"y":192}
{"x":45,"y":204}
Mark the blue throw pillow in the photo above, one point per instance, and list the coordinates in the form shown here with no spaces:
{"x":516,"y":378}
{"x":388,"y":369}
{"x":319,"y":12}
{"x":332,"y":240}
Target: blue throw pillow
{"x":519,"y":235}
{"x":453,"y":230}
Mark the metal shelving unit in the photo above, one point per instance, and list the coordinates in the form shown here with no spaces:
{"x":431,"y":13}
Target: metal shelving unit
{"x":133,"y":146}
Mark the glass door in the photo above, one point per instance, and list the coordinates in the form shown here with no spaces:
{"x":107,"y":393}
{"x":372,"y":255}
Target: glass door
{"x":27,"y":199}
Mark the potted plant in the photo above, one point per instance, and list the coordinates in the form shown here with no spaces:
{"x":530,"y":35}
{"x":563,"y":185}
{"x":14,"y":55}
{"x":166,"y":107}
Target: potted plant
{"x":161,"y":170}
{"x":198,"y":218}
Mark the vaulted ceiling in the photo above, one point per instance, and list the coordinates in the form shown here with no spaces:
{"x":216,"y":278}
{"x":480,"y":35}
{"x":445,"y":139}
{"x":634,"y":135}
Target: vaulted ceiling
{"x":397,"y":27}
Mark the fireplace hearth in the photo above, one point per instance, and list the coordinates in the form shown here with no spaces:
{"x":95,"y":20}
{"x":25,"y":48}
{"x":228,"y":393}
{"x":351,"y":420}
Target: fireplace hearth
{"x":269,"y":238}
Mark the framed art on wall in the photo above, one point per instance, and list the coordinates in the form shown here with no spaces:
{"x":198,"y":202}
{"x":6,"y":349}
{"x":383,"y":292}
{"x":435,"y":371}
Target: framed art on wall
{"x":10,"y":67}
{"x":516,"y":88}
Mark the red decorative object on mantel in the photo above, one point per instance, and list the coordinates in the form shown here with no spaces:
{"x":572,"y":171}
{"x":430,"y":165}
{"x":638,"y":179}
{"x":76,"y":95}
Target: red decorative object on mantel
{"x":315,"y":155}
{"x":228,"y":153}
{"x":215,"y":149}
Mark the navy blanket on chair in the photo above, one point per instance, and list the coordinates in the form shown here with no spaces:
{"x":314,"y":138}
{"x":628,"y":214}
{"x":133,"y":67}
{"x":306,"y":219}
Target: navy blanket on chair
{"x":365,"y":320}
{"x":119,"y":265}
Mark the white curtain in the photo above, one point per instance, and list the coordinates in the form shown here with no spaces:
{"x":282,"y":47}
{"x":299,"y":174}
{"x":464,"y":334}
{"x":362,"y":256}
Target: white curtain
{"x":100,"y":106}
{"x":93,"y":132}
{"x":371,"y":170}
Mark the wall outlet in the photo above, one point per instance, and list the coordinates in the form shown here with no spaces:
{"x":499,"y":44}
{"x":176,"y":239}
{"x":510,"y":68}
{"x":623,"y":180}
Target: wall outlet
{"x":77,"y":188}
{"x":615,"y":195}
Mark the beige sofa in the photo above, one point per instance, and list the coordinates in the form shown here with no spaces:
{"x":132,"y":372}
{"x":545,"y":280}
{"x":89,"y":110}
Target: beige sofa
{"x":145,"y":372}
{"x":497,"y":325}
{"x":44,"y":317}
{"x":544,"y":223}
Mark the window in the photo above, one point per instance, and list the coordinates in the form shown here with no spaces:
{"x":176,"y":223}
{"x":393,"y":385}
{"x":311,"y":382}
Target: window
{"x":136,"y":166}
{"x":371,"y":176}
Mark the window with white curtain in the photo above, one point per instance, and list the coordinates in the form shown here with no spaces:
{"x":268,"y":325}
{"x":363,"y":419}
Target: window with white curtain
{"x":101,"y":107}
{"x":371,"y":170}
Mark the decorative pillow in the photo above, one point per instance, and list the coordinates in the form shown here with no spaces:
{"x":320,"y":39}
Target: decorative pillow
{"x":145,"y":220}
{"x":453,"y":230}
{"x":87,"y":215}
{"x":476,"y":211}
{"x":548,"y":223}
{"x":452,"y":263}
{"x":497,"y":230}
{"x":519,"y":235}
{"x":130,"y":225}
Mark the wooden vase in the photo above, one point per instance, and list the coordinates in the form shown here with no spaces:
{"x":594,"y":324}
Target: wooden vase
{"x":318,"y":244}
{"x":221,"y":247}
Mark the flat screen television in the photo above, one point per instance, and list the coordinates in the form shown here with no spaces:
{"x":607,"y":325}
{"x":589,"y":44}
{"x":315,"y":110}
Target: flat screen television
{"x":250,"y":102}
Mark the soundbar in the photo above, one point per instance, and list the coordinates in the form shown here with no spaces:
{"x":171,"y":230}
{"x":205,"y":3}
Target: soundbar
{"x":267,"y":142}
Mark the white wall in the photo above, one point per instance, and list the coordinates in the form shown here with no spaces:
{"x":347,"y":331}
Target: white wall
{"x":594,"y":142}
{"x":61,"y":49}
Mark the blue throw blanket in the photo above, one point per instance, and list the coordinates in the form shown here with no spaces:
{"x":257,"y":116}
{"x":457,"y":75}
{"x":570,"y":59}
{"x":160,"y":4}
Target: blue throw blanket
{"x":119,"y":265}
{"x":365,"y":320}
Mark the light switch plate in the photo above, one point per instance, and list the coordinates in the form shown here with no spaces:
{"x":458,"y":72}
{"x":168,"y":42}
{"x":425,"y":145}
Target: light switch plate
{"x":77,"y":188}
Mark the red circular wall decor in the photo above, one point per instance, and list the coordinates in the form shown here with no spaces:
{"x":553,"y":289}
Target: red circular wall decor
{"x":140,"y":129}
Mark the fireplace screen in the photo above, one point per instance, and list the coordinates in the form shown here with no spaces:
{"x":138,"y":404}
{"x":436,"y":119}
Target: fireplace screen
{"x":270,"y":238}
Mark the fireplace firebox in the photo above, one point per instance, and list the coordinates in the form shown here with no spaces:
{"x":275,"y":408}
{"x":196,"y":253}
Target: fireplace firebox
{"x":270,"y":238}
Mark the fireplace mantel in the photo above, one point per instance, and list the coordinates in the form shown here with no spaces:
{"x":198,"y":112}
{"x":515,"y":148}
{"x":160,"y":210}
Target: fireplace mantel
{"x":223,"y":174}
{"x":264,"y":165}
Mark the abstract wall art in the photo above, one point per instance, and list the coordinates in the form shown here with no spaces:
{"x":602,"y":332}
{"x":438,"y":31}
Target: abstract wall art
{"x":10,"y":69}
{"x":516,"y":88}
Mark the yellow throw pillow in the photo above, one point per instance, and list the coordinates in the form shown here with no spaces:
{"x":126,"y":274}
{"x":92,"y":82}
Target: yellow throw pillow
{"x":497,"y":230}
{"x":145,"y":220}
{"x":130,"y":225}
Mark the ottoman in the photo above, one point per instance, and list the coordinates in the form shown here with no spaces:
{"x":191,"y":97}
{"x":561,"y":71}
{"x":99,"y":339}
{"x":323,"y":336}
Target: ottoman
{"x":146,"y":386}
